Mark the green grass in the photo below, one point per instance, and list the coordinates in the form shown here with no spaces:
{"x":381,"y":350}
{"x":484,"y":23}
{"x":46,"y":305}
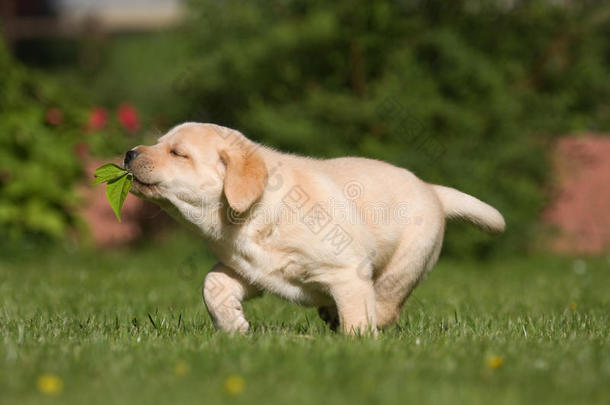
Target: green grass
{"x":84,"y":317}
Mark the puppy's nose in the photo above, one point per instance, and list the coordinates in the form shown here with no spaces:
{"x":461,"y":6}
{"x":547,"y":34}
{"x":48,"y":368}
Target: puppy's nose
{"x":129,"y":156}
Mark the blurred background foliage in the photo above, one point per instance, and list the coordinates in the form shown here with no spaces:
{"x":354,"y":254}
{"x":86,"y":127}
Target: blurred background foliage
{"x":468,"y":94}
{"x":46,"y":133}
{"x":39,"y":168}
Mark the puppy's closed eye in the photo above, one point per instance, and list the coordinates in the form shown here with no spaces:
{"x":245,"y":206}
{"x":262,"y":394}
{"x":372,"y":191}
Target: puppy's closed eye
{"x":178,"y":153}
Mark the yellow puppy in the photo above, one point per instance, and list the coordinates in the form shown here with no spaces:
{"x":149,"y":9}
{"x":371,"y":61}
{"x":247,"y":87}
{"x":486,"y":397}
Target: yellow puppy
{"x":351,"y":236}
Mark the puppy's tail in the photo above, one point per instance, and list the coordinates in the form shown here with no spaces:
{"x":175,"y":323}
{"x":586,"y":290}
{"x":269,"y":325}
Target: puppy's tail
{"x":463,"y":206}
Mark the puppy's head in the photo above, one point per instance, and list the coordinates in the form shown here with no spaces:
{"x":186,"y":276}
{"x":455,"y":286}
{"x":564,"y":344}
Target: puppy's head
{"x":198,"y":164}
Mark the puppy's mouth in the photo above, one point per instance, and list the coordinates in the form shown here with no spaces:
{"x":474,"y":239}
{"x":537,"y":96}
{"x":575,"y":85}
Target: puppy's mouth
{"x":143,"y":189}
{"x":142,"y":183}
{"x":138,"y":181}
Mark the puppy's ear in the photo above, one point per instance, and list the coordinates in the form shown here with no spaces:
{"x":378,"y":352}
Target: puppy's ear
{"x":245,"y":178}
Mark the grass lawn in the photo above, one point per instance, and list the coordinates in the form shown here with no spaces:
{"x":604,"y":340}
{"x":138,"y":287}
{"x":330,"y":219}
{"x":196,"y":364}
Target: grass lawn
{"x":129,"y":326}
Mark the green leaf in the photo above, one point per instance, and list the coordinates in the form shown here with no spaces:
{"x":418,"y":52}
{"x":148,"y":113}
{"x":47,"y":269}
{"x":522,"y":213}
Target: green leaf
{"x":116,"y":192}
{"x":119,"y":182}
{"x":107,"y":173}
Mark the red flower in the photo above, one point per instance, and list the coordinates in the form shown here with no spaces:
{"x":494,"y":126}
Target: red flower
{"x":128,"y":117}
{"x":54,"y":116}
{"x":97,"y":119}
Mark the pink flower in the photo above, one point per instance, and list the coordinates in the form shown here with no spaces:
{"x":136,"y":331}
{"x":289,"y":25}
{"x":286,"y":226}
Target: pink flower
{"x":54,"y":116}
{"x":97,"y":119}
{"x":128,"y":117}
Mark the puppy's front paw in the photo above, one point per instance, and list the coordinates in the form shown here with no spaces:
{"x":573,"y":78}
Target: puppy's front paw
{"x":222,"y":297}
{"x":229,"y":318}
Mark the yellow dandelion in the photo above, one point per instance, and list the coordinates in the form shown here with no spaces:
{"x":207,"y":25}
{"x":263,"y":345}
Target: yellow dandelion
{"x":234,"y":385}
{"x":573,"y":306}
{"x":50,"y":384}
{"x":495,"y":362}
{"x":182,"y":368}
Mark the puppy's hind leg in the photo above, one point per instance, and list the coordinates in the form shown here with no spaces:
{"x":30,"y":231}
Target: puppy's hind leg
{"x":401,"y":275}
{"x":355,"y":299}
{"x":223,"y":293}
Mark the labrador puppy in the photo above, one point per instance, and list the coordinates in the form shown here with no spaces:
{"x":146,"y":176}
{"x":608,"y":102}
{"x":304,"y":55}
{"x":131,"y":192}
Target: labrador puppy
{"x":350,"y":236}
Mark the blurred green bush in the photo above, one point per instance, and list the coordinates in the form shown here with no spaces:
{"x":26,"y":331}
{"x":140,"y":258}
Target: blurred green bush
{"x":38,"y":133}
{"x":46,"y":136}
{"x":466,"y":94}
